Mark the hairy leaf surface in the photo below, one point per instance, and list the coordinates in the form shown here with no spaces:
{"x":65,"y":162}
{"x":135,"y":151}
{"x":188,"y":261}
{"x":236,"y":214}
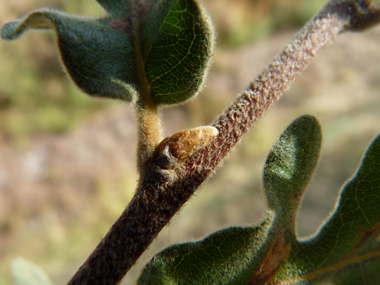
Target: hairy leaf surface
{"x":103,"y":54}
{"x":346,"y":250}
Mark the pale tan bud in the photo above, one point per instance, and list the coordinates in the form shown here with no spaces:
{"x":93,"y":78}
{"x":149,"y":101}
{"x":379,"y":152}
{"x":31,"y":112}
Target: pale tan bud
{"x":180,"y":146}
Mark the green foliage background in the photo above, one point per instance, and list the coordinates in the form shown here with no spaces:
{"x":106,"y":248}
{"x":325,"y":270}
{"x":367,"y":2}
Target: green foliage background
{"x":41,"y":109}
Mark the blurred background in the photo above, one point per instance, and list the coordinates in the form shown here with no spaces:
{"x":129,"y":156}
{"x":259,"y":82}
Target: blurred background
{"x":67,"y":161}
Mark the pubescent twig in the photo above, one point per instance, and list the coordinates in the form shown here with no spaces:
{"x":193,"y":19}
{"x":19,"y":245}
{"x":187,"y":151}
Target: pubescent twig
{"x":162,"y":192}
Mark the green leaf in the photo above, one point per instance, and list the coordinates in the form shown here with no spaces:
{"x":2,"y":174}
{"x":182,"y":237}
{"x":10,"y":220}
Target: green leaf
{"x":238,"y":255}
{"x":98,"y":57}
{"x":103,"y":54}
{"x":291,"y":163}
{"x":25,"y":272}
{"x":225,"y":257}
{"x":118,"y":8}
{"x":347,"y":247}
{"x":346,"y":250}
{"x":177,"y":45}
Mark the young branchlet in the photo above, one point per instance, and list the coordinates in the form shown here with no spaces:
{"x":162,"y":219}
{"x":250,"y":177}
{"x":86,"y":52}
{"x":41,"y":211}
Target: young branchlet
{"x":156,"y":53}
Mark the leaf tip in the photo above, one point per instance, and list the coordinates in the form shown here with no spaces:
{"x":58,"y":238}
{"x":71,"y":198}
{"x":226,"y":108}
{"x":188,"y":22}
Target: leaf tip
{"x":9,"y":31}
{"x":292,"y":161}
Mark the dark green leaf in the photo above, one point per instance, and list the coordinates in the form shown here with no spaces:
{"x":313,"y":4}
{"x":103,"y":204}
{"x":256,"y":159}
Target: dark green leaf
{"x":347,"y":247}
{"x":225,"y":257}
{"x":239,"y":255}
{"x":346,"y":250}
{"x":177,"y":46}
{"x":117,"y":8}
{"x":291,"y":163}
{"x":102,"y":55}
{"x":98,"y":56}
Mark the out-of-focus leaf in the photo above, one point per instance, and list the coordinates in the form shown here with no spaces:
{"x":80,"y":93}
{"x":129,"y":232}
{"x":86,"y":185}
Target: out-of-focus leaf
{"x":25,"y":272}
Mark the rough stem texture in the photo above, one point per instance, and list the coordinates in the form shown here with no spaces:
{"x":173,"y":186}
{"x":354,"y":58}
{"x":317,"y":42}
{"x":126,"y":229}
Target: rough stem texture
{"x":161,"y":193}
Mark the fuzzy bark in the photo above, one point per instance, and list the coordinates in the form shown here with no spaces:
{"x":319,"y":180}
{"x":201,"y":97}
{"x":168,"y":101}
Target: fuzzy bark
{"x":161,"y":193}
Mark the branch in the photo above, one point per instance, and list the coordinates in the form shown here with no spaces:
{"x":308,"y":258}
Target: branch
{"x":162,"y":192}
